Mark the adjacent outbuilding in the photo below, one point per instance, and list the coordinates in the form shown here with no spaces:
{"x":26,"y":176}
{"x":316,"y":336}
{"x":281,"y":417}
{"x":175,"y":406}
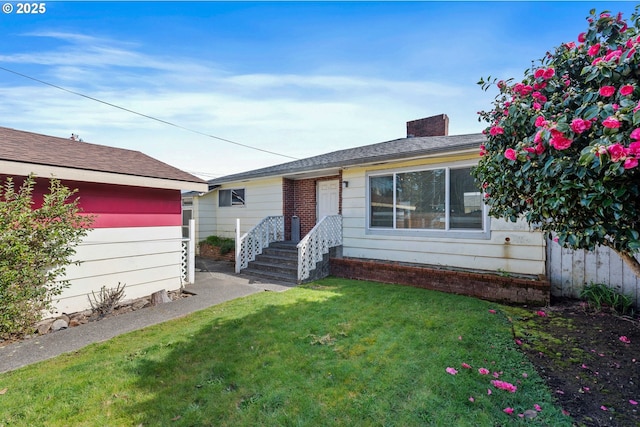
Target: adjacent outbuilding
{"x":137,"y":235}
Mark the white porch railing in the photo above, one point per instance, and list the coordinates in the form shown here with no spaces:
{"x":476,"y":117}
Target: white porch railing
{"x":270,"y":229}
{"x":188,"y":256}
{"x":326,"y":234}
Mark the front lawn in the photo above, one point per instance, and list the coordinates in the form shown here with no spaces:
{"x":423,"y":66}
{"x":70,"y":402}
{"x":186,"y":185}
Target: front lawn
{"x":335,"y":352}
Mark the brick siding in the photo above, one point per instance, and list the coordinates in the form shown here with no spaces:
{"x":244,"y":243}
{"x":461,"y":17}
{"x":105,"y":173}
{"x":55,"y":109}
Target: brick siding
{"x":491,"y":287}
{"x":299,"y":198}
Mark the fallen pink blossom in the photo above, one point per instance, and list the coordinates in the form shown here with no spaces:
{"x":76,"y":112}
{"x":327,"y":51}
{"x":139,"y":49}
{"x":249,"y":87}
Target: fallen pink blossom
{"x":633,"y":402}
{"x":503,"y":385}
{"x":466,"y":365}
{"x":604,"y":408}
{"x":541,"y":313}
{"x":471,"y":399}
{"x":492,"y":311}
{"x":625,"y":340}
{"x":451,"y":371}
{"x":518,"y":342}
{"x":483,"y":371}
{"x":508,"y":411}
{"x":537,"y":407}
{"x":489,"y":392}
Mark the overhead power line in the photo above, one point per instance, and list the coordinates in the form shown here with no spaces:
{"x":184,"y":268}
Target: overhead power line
{"x":146,"y":115}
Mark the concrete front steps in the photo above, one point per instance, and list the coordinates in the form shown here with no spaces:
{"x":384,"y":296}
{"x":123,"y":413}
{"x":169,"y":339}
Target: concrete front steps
{"x":278,"y":262}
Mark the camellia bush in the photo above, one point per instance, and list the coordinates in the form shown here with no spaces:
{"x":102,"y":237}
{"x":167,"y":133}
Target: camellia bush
{"x":563,"y":144}
{"x":36,"y":244}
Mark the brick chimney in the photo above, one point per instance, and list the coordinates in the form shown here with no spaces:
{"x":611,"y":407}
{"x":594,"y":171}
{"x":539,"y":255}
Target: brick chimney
{"x":429,"y":126}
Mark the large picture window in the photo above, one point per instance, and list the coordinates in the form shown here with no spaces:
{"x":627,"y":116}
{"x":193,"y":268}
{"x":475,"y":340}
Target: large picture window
{"x":231,"y":197}
{"x":434,"y":199}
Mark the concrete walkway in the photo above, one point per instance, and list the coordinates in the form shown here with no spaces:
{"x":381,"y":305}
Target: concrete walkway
{"x":215,"y":283}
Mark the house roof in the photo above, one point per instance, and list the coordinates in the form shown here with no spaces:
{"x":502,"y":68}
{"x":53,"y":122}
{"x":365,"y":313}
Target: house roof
{"x":397,"y":149}
{"x":59,"y":156}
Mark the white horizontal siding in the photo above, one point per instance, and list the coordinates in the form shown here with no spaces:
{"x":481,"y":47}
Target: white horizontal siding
{"x":204,"y":214}
{"x":511,"y":247}
{"x":263,"y":198}
{"x":145,"y":259}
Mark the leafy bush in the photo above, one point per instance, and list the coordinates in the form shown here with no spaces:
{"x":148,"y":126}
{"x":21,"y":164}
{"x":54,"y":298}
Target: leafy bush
{"x":36,"y":245}
{"x":600,"y":296}
{"x":563,"y":144}
{"x":225,"y":244}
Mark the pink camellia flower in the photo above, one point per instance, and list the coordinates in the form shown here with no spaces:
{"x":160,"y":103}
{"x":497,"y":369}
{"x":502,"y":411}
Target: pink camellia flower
{"x":597,"y":60}
{"x":451,"y":371}
{"x":559,"y":141}
{"x":607,"y":90}
{"x":537,"y":106}
{"x":496,"y":130}
{"x":570,"y":45}
{"x":582,"y":37}
{"x":508,"y":411}
{"x":539,"y":86}
{"x":635,"y":135}
{"x":626,"y":90}
{"x":625,"y":340}
{"x":580,"y":125}
{"x":466,"y":365}
{"x":540,"y":121}
{"x":614,"y":55}
{"x":483,"y":150}
{"x":503,"y":385}
{"x":510,"y":154}
{"x":593,"y":50}
{"x":483,"y":371}
{"x":634,"y":148}
{"x":611,"y":123}
{"x":538,"y":73}
{"x":537,"y":407}
{"x":615,"y":107}
{"x":548,"y":73}
{"x":630,"y":163}
{"x":541,"y":313}
{"x":617,"y":152}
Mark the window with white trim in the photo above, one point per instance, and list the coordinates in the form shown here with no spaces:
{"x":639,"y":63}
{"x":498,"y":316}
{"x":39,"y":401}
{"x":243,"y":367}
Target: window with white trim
{"x":231,"y":197}
{"x":442,"y":199}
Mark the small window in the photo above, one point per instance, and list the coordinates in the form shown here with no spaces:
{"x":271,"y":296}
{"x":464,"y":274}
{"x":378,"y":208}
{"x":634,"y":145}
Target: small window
{"x":231,"y":197}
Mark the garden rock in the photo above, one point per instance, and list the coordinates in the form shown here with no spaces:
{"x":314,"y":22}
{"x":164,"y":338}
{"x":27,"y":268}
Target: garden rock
{"x":59,"y":324}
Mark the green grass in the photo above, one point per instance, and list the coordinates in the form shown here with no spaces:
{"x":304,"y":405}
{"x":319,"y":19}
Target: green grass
{"x":331,"y":353}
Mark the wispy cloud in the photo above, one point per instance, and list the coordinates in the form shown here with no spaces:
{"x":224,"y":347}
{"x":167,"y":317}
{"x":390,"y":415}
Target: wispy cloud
{"x":298,"y":114}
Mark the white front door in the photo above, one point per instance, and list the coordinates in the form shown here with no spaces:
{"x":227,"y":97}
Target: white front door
{"x":328,"y":198}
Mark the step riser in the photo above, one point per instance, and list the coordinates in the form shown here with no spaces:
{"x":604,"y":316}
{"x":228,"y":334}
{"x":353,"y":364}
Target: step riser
{"x":278,"y":262}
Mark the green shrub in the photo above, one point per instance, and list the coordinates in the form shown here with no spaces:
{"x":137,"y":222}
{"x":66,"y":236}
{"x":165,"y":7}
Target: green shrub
{"x":36,"y":245}
{"x":600,"y":296}
{"x":225,"y":244}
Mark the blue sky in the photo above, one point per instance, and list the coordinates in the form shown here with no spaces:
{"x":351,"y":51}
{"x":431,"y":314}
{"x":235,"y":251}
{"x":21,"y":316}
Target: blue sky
{"x":295,"y":78}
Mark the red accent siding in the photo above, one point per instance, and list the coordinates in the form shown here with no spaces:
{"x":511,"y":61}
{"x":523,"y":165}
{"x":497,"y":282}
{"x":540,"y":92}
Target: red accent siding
{"x":119,"y":205}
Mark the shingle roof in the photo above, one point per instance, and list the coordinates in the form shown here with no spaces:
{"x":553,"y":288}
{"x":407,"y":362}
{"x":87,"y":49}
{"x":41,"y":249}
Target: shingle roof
{"x":396,"y":149}
{"x":27,"y":147}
